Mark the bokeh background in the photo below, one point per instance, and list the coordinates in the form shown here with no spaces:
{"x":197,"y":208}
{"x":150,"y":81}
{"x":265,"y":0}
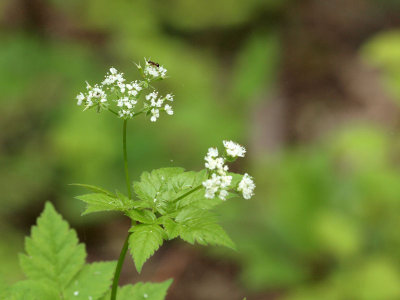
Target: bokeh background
{"x":311,"y":87}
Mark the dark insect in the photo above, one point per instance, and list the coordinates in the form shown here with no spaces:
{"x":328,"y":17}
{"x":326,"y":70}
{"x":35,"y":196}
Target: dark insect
{"x":153,"y":63}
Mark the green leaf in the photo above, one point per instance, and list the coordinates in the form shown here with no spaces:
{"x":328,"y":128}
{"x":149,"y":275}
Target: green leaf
{"x":124,"y":199}
{"x":153,"y":185}
{"x":94,"y":188}
{"x":143,"y":242}
{"x":166,"y":190}
{"x":171,"y":228}
{"x":142,"y":216}
{"x":32,"y":290}
{"x":142,"y":291}
{"x":53,"y":253}
{"x":100,"y":202}
{"x":92,"y":281}
{"x":200,"y":226}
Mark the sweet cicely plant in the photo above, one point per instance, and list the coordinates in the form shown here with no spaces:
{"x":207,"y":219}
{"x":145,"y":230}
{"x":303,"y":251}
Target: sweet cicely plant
{"x":163,"y":204}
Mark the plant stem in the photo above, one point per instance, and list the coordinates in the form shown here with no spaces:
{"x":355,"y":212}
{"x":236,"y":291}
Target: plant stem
{"x":188,"y":193}
{"x":128,"y":181}
{"x":119,"y":268}
{"x":125,"y":246}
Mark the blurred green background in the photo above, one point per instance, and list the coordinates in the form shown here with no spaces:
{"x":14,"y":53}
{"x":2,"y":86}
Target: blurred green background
{"x":312,"y":88}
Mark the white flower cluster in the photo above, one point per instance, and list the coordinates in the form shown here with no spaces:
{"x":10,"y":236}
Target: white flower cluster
{"x":95,"y":96}
{"x":155,"y":103}
{"x":115,"y":90}
{"x":153,"y":70}
{"x":233,"y":149}
{"x":246,"y":186}
{"x":127,"y":92}
{"x":220,"y":181}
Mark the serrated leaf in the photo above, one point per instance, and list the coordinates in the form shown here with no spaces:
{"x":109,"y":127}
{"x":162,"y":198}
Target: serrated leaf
{"x":171,"y":228}
{"x":94,"y":188}
{"x":92,"y":282}
{"x":98,"y":202}
{"x":166,"y":190}
{"x":32,"y":290}
{"x":201,"y":227}
{"x":124,"y":199}
{"x":142,"y":216}
{"x":152,"y":185}
{"x":53,"y":253}
{"x":143,"y":291}
{"x":143,"y":242}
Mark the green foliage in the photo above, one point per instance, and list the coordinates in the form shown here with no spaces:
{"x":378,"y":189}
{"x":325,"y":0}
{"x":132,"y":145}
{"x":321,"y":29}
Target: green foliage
{"x":143,"y":291}
{"x":53,"y":254}
{"x":101,"y":202}
{"x":199,"y":226}
{"x":143,"y":242}
{"x":54,"y":264}
{"x":178,"y":199}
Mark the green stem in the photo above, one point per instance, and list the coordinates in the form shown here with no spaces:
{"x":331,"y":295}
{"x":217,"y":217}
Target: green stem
{"x":125,"y":246}
{"x":119,"y":268}
{"x":128,"y":181}
{"x":188,"y":193}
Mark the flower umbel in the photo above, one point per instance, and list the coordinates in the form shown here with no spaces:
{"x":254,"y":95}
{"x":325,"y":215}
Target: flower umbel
{"x":220,"y":181}
{"x":246,"y":186}
{"x":124,"y":98}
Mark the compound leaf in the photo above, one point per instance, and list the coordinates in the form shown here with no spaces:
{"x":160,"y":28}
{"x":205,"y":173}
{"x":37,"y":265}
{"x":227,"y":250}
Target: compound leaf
{"x":143,"y":242}
{"x":53,"y":254}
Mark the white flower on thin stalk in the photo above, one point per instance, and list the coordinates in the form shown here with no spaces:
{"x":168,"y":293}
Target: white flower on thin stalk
{"x":155,"y":103}
{"x":80,"y":99}
{"x":168,"y":109}
{"x":113,"y":77}
{"x":246,"y":186}
{"x":95,"y":96}
{"x":155,"y":114}
{"x":169,"y":97}
{"x":233,"y":149}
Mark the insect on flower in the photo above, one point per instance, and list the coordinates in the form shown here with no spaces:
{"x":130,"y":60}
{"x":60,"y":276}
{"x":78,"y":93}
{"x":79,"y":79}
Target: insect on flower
{"x":153,"y":63}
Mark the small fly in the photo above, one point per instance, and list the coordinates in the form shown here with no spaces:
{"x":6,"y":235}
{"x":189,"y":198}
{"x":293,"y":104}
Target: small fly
{"x":153,"y":63}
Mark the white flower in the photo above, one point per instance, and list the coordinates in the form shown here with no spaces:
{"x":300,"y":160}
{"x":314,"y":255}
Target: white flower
{"x":80,"y":99}
{"x":246,"y":186}
{"x":217,"y":184}
{"x":169,"y":97}
{"x":163,"y":71}
{"x":168,"y":109}
{"x":213,"y":163}
{"x":113,"y":70}
{"x":234,"y":149}
{"x":153,"y":70}
{"x":155,"y":114}
{"x":225,"y":181}
{"x":212,"y":152}
{"x":152,"y":96}
{"x":223,"y":194}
